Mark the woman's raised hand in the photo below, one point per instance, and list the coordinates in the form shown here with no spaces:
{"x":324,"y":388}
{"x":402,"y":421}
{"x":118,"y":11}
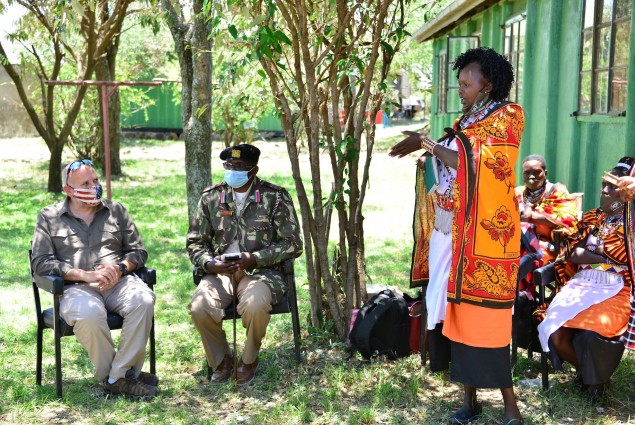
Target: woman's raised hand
{"x":411,"y":143}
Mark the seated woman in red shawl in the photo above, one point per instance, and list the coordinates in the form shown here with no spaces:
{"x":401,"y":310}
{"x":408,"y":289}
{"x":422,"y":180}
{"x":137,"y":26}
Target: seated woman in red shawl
{"x":545,"y":207}
{"x":587,"y":317}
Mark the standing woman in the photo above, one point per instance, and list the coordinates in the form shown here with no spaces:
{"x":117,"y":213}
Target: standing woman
{"x":477,"y":225}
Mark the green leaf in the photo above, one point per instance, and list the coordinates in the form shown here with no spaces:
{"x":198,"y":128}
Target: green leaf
{"x":282,"y":37}
{"x":389,"y":49}
{"x":262,"y":73}
{"x":233,"y":31}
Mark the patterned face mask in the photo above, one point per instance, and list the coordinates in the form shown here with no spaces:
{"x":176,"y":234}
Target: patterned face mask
{"x":88,"y":195}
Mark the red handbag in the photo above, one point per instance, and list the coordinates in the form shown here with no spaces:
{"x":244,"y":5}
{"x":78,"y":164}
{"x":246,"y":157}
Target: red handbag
{"x":414,"y":338}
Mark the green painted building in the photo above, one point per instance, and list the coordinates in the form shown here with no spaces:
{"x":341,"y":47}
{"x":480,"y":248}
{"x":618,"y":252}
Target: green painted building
{"x":573,"y":72}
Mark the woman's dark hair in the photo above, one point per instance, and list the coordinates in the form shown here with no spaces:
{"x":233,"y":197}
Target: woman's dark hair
{"x":536,"y":157}
{"x":623,"y":167}
{"x":494,"y":66}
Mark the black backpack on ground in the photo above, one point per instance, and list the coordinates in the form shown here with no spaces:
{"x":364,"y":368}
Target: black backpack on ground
{"x":382,"y":327}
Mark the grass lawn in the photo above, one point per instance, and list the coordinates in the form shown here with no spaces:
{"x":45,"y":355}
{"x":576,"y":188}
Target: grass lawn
{"x":324,"y":389}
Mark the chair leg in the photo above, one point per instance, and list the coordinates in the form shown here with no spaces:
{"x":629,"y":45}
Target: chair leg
{"x":545,"y":371}
{"x":58,"y":360}
{"x":424,"y":330}
{"x":38,"y":364}
{"x":515,"y":336}
{"x":153,"y":369}
{"x":58,"y":345}
{"x":295,"y":321}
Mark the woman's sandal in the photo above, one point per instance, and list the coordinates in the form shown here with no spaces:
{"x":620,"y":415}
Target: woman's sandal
{"x":465,"y":415}
{"x":513,"y":421}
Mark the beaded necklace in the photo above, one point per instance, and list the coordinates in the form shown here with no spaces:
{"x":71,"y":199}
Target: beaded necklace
{"x":532,"y":197}
{"x":609,"y":224}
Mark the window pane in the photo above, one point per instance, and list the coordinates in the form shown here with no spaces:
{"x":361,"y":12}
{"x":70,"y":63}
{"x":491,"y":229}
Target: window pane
{"x":618,"y":88}
{"x":589,"y":10}
{"x":607,"y":11}
{"x":603,"y":47}
{"x":587,"y":50}
{"x":508,"y":38}
{"x":585,"y":93}
{"x":622,"y":43}
{"x":601,"y":97}
{"x":521,"y":34}
{"x":442,"y":85}
{"x":622,"y":8}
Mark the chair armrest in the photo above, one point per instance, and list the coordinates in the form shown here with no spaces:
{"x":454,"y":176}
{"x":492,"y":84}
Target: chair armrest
{"x":545,"y":274}
{"x":542,"y":278}
{"x":50,"y":283}
{"x":148,"y":275}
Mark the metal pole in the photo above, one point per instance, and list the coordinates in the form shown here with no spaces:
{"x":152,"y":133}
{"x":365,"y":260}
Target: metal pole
{"x":106,"y":125}
{"x":232,"y":277}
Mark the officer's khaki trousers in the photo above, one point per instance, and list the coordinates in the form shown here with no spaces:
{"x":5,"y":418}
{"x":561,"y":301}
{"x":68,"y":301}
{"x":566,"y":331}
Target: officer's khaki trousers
{"x":85,"y":308}
{"x":213,"y":295}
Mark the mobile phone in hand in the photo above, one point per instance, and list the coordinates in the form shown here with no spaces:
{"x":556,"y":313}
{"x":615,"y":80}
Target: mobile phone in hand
{"x":230,"y":257}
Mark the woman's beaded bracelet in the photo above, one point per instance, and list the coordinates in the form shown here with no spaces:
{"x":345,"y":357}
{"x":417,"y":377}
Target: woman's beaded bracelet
{"x":428,"y":144}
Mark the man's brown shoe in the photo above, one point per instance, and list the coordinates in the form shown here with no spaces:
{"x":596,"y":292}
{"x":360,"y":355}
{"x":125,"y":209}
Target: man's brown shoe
{"x":145,"y":377}
{"x":246,"y":372}
{"x":129,"y":387}
{"x":223,"y":371}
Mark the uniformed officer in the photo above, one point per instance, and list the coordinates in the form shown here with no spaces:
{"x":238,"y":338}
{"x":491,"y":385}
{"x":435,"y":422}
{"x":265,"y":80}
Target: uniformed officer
{"x":256,"y":219}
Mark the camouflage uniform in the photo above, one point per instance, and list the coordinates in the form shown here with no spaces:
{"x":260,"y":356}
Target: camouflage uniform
{"x":267,"y":228}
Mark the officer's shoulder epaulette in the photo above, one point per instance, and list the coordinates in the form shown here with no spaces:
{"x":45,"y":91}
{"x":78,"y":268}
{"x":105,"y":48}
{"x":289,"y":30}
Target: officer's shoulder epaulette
{"x":271,"y":185}
{"x":216,"y":186}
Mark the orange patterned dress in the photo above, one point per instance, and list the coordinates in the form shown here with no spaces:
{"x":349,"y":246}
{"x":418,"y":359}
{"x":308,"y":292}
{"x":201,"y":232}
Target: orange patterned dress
{"x":485,"y":230}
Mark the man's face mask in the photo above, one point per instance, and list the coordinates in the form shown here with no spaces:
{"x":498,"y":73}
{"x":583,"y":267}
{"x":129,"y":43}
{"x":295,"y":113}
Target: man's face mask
{"x":236,"y":178}
{"x":88,"y":195}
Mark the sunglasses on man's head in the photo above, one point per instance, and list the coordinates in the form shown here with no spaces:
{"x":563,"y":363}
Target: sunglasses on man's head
{"x":77,"y":164}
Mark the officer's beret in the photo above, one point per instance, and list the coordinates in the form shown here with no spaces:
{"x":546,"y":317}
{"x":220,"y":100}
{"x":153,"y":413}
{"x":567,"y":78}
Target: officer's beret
{"x":247,"y":153}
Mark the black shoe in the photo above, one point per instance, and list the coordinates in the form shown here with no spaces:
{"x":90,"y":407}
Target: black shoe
{"x":465,"y":415}
{"x":597,"y":393}
{"x":578,"y":384}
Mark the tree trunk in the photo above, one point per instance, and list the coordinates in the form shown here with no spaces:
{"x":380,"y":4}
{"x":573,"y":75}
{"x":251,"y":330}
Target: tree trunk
{"x":55,"y":168}
{"x":194,"y":52}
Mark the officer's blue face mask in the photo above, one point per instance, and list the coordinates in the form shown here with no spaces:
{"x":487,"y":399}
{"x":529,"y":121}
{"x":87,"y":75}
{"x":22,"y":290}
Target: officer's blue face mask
{"x":236,"y":178}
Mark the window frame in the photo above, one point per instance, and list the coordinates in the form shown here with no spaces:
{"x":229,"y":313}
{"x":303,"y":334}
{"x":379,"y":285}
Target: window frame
{"x":594,"y":30}
{"x":514,"y":25}
{"x":447,"y":71}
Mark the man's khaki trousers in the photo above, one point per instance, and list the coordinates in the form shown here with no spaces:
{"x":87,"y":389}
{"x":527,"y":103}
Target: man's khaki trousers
{"x":85,"y":308}
{"x":213,"y":295}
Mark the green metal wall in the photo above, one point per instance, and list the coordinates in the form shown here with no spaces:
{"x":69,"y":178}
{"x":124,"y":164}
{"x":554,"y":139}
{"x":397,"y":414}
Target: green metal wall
{"x":164,"y":113}
{"x":165,"y":110}
{"x":577,"y":149}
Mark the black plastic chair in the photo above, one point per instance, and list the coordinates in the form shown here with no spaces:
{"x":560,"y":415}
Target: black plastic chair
{"x":50,"y":319}
{"x":545,"y":279}
{"x":287,"y":304}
